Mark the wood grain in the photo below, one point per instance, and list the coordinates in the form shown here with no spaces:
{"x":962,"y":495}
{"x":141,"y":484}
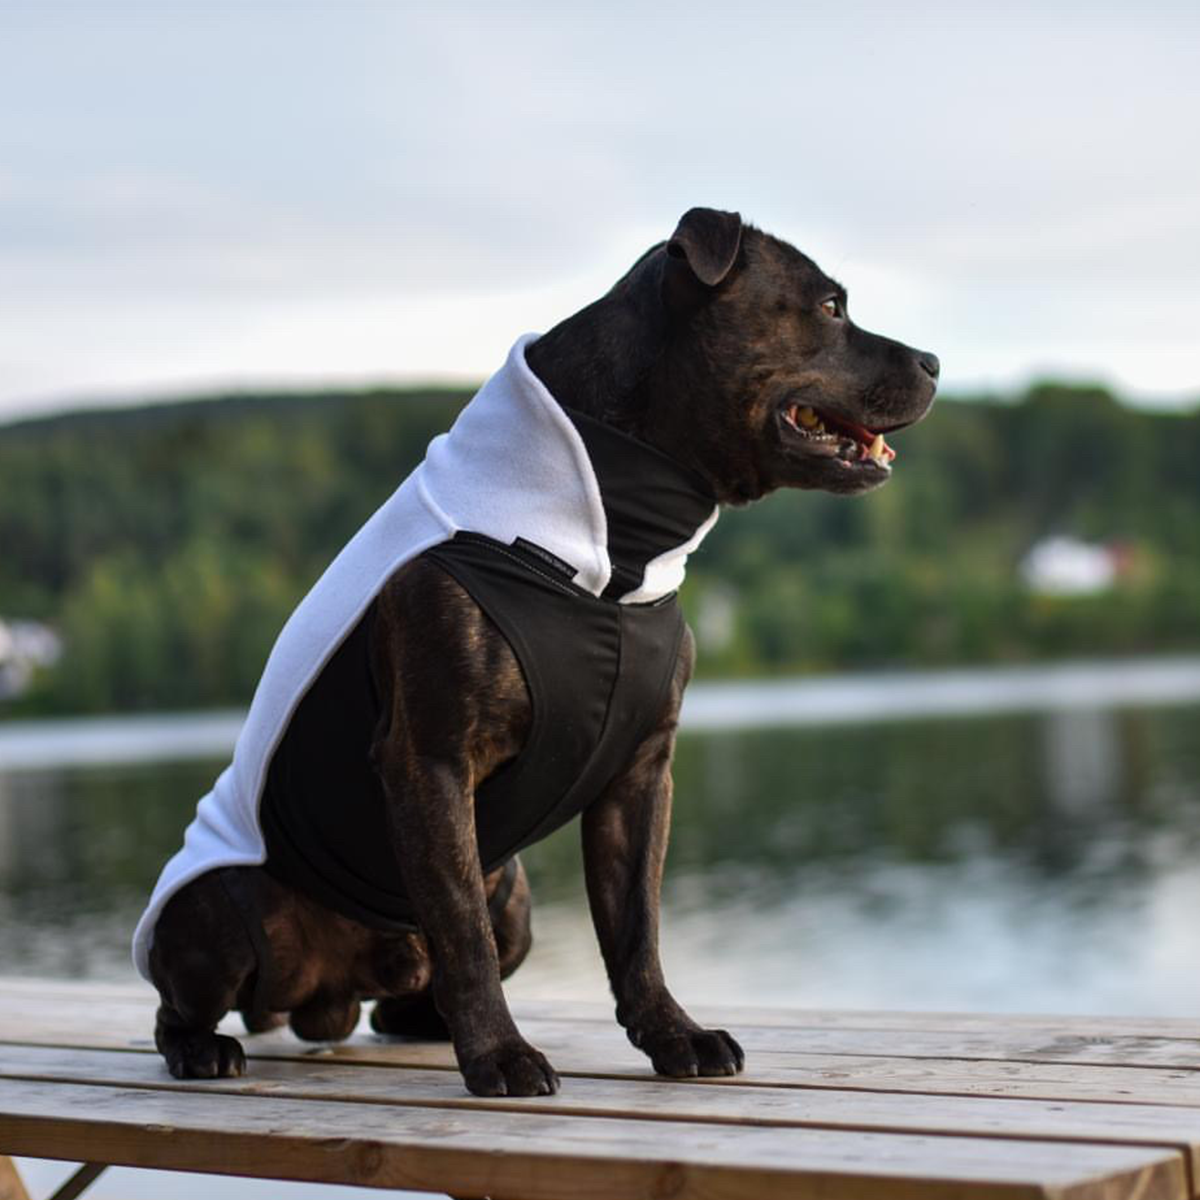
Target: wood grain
{"x":599,"y":1048}
{"x":543,"y":1157}
{"x":128,"y":1016}
{"x":832,"y":1105}
{"x":601,"y":1011}
{"x":733,"y":1104}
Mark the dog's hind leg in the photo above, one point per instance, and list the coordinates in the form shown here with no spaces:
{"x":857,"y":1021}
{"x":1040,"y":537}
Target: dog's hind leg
{"x":192,"y":1047}
{"x":416,"y":1015}
{"x":410,"y":1016}
{"x":326,"y":1018}
{"x":200,"y":962}
{"x":510,"y":920}
{"x":262,"y":1022}
{"x":185,"y":1029}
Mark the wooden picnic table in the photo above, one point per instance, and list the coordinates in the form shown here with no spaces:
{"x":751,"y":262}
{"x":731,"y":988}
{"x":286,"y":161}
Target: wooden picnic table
{"x":835,"y":1105}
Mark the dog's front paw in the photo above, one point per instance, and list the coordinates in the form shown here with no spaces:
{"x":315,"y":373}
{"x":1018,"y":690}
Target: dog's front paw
{"x":513,"y":1069}
{"x":682,"y":1053}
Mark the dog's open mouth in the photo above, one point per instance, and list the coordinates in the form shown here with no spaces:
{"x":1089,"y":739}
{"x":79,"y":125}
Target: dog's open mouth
{"x":835,"y":437}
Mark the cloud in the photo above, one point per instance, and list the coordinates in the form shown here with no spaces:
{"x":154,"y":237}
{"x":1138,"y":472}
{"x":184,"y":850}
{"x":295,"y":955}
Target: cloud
{"x":199,"y":192}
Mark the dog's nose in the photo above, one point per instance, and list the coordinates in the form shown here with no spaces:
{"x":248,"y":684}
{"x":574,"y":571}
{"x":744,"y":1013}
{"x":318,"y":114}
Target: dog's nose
{"x":930,"y":365}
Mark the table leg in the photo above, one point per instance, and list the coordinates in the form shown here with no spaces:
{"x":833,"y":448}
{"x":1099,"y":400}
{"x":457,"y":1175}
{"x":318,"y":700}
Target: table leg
{"x":11,"y":1185}
{"x":80,"y":1181}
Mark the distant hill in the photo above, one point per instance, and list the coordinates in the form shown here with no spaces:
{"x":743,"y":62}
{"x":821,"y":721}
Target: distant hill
{"x":167,"y":543}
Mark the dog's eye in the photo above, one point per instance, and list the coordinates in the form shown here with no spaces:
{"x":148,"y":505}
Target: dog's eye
{"x":831,"y":308}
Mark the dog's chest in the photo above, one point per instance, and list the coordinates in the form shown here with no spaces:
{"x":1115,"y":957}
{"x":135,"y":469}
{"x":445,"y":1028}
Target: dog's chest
{"x":597,"y":672}
{"x":598,"y":675}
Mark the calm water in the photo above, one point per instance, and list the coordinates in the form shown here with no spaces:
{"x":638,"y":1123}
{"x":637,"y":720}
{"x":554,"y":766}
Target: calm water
{"x":1007,"y":860}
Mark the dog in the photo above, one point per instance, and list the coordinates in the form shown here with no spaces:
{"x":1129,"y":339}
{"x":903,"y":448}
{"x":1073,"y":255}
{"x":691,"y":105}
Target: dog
{"x":500,"y":650}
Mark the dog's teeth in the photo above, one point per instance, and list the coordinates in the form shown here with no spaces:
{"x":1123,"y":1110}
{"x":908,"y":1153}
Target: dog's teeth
{"x":808,"y":418}
{"x":877,"y":450}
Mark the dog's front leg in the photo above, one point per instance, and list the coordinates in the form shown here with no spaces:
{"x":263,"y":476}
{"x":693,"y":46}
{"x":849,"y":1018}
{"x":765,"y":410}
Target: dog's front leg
{"x":624,"y":846}
{"x":453,"y":703}
{"x":440,"y":863}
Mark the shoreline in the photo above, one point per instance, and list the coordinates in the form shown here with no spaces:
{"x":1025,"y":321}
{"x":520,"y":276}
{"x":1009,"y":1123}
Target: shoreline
{"x":847,"y":699}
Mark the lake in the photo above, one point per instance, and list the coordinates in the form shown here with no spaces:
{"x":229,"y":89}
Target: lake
{"x":1024,"y":839}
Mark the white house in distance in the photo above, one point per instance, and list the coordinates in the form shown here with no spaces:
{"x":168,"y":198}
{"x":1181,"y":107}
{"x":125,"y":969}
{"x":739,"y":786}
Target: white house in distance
{"x":1067,"y":566}
{"x":24,"y":646}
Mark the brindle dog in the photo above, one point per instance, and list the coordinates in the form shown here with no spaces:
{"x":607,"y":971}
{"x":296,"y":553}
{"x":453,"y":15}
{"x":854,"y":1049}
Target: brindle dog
{"x":734,"y":353}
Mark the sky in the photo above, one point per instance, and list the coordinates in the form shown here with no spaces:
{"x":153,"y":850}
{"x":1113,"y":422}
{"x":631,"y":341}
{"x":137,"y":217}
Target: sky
{"x":231,"y":195}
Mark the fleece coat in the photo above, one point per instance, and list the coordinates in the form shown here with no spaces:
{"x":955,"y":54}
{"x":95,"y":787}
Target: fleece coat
{"x":514,"y":469}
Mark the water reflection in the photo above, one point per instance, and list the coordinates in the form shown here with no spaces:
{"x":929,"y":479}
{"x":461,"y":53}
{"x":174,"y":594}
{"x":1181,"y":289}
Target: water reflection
{"x":78,"y":849}
{"x":1082,"y":759}
{"x":1007,"y":862}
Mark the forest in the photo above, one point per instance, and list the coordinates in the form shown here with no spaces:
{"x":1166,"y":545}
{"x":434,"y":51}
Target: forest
{"x":166,"y":544}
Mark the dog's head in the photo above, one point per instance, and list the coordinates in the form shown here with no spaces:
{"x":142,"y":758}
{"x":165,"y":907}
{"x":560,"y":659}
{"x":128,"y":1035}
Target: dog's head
{"x":758,"y":377}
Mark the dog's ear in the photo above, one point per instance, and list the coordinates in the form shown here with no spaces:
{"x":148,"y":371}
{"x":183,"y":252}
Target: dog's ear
{"x":706,"y":240}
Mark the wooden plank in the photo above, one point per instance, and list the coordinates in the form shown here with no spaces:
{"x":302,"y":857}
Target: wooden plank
{"x":601,"y":1048}
{"x":954,"y":1077}
{"x":128,"y":1018}
{"x":1059,"y":1043}
{"x":143,"y":997}
{"x":731,"y":1103}
{"x":1052,"y":1081}
{"x":59,"y":1017}
{"x":1047,"y":1081}
{"x":567,"y":1044}
{"x":509,"y":1154}
{"x":850,"y":1018}
{"x":1031,"y":1081}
